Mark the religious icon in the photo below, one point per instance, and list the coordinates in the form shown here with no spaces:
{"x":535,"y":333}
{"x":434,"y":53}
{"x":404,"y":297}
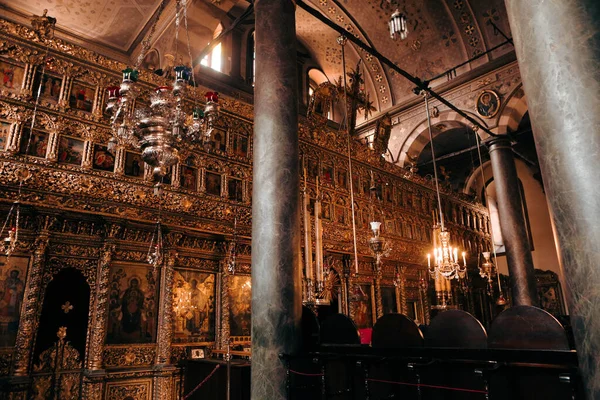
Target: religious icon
{"x":188,"y":177}
{"x":12,"y":76}
{"x":50,"y":89}
{"x":4,"y":131}
{"x":235,"y":189}
{"x":362,"y":304}
{"x":102,"y":159}
{"x":327,"y":176}
{"x":81,"y":97}
{"x":132,"y":305}
{"x":134,"y":166}
{"x":313,"y":168}
{"x":240,"y":294}
{"x":13,"y":272}
{"x":240,"y":146}
{"x":213,"y":183}
{"x":35,"y":144}
{"x":383,"y":131}
{"x":342,"y":179}
{"x":218,"y":140}
{"x":194,"y":306}
{"x":70,"y":151}
{"x":488,"y":104}
{"x":168,"y":178}
{"x":340,"y":214}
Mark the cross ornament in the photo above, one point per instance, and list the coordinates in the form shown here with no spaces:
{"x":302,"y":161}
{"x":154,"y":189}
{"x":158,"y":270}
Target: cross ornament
{"x":67,"y":307}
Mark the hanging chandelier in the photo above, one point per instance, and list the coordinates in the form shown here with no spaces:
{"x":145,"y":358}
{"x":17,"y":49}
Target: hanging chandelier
{"x":445,"y":261}
{"x":398,"y":25}
{"x":9,"y":244}
{"x":160,"y":129}
{"x":378,"y":245}
{"x":487,"y":269}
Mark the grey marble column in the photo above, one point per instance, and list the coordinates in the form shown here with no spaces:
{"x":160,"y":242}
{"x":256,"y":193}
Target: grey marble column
{"x":558,"y":49}
{"x":276,"y":278}
{"x":512,"y":222}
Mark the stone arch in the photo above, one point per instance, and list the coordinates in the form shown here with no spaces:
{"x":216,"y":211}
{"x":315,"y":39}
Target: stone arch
{"x":419,"y":136}
{"x":513,"y":111}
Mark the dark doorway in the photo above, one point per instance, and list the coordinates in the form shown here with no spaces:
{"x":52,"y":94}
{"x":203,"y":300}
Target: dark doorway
{"x":66,"y":304}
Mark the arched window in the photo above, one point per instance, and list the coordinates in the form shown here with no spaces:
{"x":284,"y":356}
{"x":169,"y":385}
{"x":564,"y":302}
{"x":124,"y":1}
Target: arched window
{"x":214,"y":59}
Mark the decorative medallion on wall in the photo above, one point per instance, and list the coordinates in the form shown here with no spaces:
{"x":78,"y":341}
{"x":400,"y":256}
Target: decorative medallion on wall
{"x":488,"y":104}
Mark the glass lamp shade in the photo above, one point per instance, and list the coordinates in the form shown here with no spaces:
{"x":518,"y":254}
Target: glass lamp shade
{"x":398,"y":26}
{"x":375,"y":227}
{"x":487,"y":267}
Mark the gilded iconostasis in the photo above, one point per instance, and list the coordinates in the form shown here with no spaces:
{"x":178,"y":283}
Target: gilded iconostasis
{"x":83,"y":312}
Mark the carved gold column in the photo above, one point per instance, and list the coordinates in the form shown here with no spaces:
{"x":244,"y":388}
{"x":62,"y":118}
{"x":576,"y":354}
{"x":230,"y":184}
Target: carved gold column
{"x":378,"y":301}
{"x":120,"y":161}
{"x":163,"y":375}
{"x":165,"y":311}
{"x":402,"y":291}
{"x":424,"y":297}
{"x":31,"y":307}
{"x":12,"y":141}
{"x":100,"y":306}
{"x":224,"y":323}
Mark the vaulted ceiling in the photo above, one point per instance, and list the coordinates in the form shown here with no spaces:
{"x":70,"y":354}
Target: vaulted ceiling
{"x":443,"y":33}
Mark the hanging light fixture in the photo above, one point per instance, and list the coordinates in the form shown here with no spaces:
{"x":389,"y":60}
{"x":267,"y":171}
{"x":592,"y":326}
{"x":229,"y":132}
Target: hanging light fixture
{"x":160,"y":129}
{"x":155,"y":256}
{"x":398,"y":25}
{"x":445,"y":261}
{"x":378,"y":245}
{"x":9,"y":244}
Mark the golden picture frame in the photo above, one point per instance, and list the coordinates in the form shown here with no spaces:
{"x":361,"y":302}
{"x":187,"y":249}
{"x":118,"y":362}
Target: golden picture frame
{"x":487,"y":104}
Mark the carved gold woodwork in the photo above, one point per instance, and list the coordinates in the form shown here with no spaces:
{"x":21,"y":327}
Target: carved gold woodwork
{"x":89,"y":219}
{"x":138,"y":389}
{"x":165,"y":311}
{"x":128,"y":355}
{"x":100,"y":308}
{"x":30,"y":315}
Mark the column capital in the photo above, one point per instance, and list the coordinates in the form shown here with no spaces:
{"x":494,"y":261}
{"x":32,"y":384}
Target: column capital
{"x":498,"y":142}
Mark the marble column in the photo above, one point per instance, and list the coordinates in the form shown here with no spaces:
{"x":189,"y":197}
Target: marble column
{"x":558,"y":49}
{"x":512,"y":223}
{"x":276,"y":278}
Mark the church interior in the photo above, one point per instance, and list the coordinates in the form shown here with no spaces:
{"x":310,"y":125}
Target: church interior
{"x":293,"y":199}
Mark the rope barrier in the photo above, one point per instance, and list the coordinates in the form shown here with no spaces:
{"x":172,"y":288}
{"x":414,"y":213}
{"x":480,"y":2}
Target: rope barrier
{"x":429,"y":386}
{"x":304,"y":373}
{"x":202,"y":383}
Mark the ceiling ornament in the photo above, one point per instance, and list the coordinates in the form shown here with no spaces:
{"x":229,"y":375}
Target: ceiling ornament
{"x":398,"y":25}
{"x":159,"y":129}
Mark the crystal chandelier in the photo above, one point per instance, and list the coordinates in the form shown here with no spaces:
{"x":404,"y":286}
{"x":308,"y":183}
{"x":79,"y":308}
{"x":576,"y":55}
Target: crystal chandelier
{"x":445,"y":261}
{"x":159,"y":130}
{"x":398,"y":26}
